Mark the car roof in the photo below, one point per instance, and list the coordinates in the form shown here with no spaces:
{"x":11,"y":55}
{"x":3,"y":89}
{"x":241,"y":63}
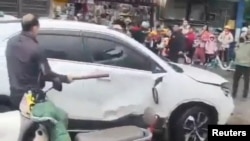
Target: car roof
{"x":73,"y":25}
{"x":61,"y":24}
{"x":46,"y":23}
{"x":7,"y":17}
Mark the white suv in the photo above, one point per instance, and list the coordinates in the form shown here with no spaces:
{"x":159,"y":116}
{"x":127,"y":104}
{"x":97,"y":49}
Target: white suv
{"x":185,"y":97}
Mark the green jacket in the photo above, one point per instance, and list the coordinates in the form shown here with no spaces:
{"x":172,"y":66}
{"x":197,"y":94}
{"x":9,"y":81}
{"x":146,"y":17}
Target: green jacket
{"x":243,"y":55}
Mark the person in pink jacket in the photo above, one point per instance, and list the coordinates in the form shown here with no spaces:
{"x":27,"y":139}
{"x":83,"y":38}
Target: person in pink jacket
{"x":210,"y":48}
{"x":203,"y":38}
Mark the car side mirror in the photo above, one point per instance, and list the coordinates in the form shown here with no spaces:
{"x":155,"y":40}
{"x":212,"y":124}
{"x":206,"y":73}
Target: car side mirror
{"x":113,"y":53}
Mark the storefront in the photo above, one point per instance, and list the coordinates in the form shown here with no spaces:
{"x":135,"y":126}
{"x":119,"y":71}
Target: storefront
{"x":150,"y":4}
{"x":20,"y":7}
{"x":60,"y":2}
{"x":133,"y":2}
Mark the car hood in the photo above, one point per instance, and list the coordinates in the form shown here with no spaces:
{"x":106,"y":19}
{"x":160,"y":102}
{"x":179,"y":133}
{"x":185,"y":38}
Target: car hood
{"x":201,"y":75}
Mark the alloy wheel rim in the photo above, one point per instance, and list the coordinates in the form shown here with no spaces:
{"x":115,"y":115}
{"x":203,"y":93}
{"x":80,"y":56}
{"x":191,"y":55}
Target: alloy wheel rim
{"x":195,"y":127}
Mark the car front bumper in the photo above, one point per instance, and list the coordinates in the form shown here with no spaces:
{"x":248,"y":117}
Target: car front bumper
{"x":226,"y":110}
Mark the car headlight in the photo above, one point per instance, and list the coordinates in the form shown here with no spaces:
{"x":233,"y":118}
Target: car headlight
{"x":226,"y":89}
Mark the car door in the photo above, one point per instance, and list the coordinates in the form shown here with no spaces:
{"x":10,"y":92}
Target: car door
{"x":65,"y":52}
{"x":128,"y":90}
{"x":4,"y":87}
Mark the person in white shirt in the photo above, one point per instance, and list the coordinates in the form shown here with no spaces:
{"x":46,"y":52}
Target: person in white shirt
{"x":244,"y":32}
{"x":225,"y":39}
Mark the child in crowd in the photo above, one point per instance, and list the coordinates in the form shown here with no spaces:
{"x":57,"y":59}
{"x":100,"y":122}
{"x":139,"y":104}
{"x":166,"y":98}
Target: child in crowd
{"x":163,"y":46}
{"x":211,"y":48}
{"x":199,"y":51}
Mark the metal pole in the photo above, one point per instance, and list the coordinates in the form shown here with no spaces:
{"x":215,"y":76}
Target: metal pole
{"x":152,"y":18}
{"x":19,"y":8}
{"x":50,"y":8}
{"x":188,"y":9}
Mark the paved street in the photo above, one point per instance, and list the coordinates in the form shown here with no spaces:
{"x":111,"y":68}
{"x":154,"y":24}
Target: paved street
{"x":242,"y":112}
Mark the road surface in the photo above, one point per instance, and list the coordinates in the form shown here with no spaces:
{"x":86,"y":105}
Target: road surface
{"x":242,"y":112}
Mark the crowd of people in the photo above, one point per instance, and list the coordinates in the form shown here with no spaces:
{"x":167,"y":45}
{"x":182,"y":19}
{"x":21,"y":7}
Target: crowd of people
{"x":184,"y":41}
{"x":177,"y":43}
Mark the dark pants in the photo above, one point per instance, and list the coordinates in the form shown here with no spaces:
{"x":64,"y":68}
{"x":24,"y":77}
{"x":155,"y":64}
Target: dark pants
{"x":239,"y":71}
{"x":174,"y":58}
{"x":209,"y":58}
{"x":190,"y":52}
{"x":231,"y":52}
{"x":224,"y":55}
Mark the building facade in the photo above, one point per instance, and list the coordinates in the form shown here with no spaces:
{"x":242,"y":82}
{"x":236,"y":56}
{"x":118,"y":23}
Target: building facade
{"x":216,"y":13}
{"x":21,"y":7}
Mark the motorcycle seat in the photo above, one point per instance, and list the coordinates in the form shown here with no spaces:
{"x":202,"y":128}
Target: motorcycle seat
{"x":124,"y":133}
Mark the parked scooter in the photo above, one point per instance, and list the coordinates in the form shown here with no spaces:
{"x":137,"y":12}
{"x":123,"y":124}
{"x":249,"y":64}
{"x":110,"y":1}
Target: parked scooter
{"x":16,"y":127}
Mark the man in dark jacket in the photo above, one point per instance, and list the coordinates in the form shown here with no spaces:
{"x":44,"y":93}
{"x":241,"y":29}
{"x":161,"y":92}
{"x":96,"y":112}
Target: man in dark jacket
{"x":139,"y":33}
{"x":177,"y":44}
{"x":26,"y":61}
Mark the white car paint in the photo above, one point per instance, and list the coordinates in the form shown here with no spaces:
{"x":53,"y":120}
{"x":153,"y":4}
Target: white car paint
{"x":8,"y":29}
{"x":10,"y":126}
{"x":8,"y":17}
{"x":206,"y":76}
{"x":127,"y":91}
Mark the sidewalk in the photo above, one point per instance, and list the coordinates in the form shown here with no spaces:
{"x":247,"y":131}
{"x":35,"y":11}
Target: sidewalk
{"x":241,"y":113}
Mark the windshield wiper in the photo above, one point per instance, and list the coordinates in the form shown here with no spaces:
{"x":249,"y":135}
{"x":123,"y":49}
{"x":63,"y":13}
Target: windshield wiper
{"x":175,"y":67}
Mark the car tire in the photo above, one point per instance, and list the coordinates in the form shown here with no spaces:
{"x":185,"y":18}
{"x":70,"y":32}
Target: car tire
{"x":184,"y":125}
{"x":4,"y":108}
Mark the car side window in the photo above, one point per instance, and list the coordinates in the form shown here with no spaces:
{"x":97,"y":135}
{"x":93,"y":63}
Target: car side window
{"x":62,"y":47}
{"x":97,"y":46}
{"x":116,"y":54}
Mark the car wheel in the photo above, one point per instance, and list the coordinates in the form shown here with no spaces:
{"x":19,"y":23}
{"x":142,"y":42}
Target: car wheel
{"x":4,"y":108}
{"x":191,"y":125}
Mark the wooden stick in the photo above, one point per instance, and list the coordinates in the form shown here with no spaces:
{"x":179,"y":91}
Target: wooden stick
{"x":91,"y":76}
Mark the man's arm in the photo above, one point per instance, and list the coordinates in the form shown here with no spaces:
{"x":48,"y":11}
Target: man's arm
{"x":48,"y":74}
{"x":220,"y":37}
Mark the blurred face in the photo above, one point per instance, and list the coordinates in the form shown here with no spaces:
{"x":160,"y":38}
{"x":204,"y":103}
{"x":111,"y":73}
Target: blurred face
{"x":35,"y":30}
{"x":185,"y":22}
{"x":176,"y":28}
{"x":158,"y":30}
{"x":204,"y":27}
{"x":212,"y":38}
{"x":191,"y":30}
{"x":226,"y":30}
{"x":165,"y":41}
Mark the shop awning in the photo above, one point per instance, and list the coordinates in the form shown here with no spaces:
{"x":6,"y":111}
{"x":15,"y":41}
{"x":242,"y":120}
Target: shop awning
{"x":135,"y":2}
{"x":161,"y":3}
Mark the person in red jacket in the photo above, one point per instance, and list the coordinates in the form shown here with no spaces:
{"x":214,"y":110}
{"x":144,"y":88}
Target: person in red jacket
{"x":190,"y":36}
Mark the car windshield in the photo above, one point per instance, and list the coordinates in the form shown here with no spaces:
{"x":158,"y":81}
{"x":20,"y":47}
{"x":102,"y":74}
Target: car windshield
{"x":8,"y":29}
